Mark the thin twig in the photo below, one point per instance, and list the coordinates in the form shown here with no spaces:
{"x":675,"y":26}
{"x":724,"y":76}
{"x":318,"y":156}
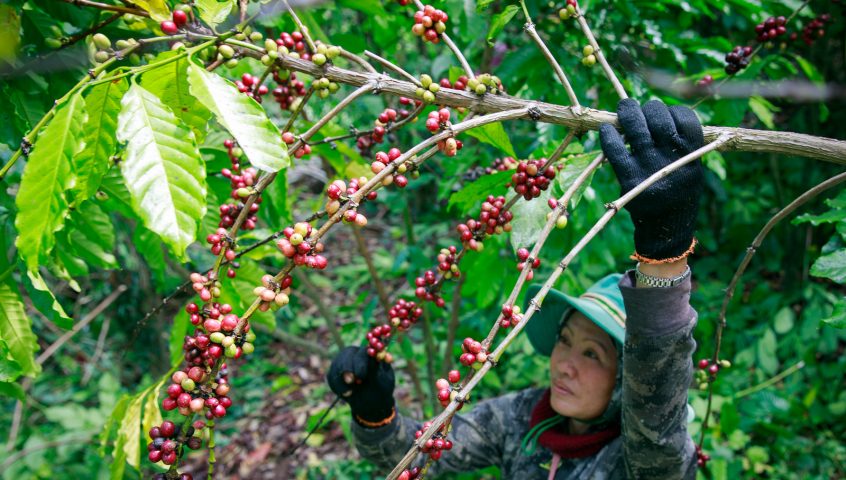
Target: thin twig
{"x":454,"y":320}
{"x":770,"y":382}
{"x":384,"y":300}
{"x":355,"y":58}
{"x":391,"y":65}
{"x":80,"y":440}
{"x":303,"y":29}
{"x":106,"y":6}
{"x":529,"y":27}
{"x":101,"y":342}
{"x":597,"y":52}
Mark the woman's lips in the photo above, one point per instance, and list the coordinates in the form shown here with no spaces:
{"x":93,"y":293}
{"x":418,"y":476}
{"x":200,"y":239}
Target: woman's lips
{"x":561,"y":390}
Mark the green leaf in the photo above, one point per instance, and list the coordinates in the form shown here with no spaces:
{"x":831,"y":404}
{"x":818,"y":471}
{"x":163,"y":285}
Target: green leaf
{"x":763,"y":109}
{"x":809,"y":70}
{"x":42,"y":205}
{"x":16,"y":329}
{"x":214,"y":12}
{"x":10,"y":35}
{"x":152,"y":413}
{"x":474,"y":193}
{"x":275,"y":197}
{"x":529,"y":220}
{"x":44,"y":300}
{"x":150,"y":248}
{"x":181,"y":327}
{"x":245,"y":119}
{"x":838,"y":316}
{"x":113,"y":420}
{"x":831,"y":216}
{"x":494,"y":134}
{"x":784,"y":320}
{"x":12,"y":390}
{"x":92,"y":235}
{"x":156,"y":8}
{"x":370,"y":7}
{"x":102,"y":105}
{"x":566,"y":177}
{"x":163,"y":169}
{"x":500,"y":21}
{"x":170,"y":83}
{"x":767,"y":352}
{"x":10,"y":369}
{"x":482,"y":5}
{"x":831,"y":266}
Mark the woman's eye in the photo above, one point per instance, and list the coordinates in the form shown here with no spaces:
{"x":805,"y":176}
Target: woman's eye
{"x":591,"y":354}
{"x":564,"y":340}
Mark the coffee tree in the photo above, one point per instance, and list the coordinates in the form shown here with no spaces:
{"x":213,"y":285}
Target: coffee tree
{"x":174,"y":157}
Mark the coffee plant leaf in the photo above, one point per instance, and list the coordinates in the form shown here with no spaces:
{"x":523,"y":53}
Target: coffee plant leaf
{"x":92,"y":236}
{"x":529,"y":220}
{"x":163,"y":170}
{"x":170,"y":83}
{"x":494,"y":134}
{"x":573,"y":167}
{"x":245,"y":119}
{"x":107,"y":433}
{"x":156,"y":8}
{"x":128,"y":442}
{"x":10,"y":369}
{"x":500,"y":21}
{"x":181,"y":327}
{"x":16,"y":329}
{"x":12,"y":390}
{"x":45,"y":301}
{"x":214,"y":12}
{"x":766,"y":350}
{"x":468,"y":198}
{"x":42,"y":202}
{"x":832,"y":266}
{"x":102,"y":105}
{"x":152,"y":413}
{"x":838,"y":316}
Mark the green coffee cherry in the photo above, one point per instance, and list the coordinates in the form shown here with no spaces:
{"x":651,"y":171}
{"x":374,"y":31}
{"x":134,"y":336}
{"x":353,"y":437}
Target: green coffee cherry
{"x":250,"y":336}
{"x":425,"y":80}
{"x":226,"y":51}
{"x":318,"y":59}
{"x":101,"y":41}
{"x":101,"y":56}
{"x":256,"y":36}
{"x":217,"y":337}
{"x":248,"y":348}
{"x":588,"y":50}
{"x":188,"y":385}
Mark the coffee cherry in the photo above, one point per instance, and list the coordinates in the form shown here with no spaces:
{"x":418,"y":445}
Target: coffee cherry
{"x":170,"y":28}
{"x":180,"y":18}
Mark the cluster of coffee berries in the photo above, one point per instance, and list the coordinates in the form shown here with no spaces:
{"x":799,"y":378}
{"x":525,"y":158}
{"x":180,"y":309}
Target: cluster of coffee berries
{"x":522,"y":257}
{"x":511,"y":316}
{"x":531,"y":178}
{"x":485,"y":83}
{"x":568,"y":10}
{"x":737,"y":59}
{"x":702,"y":458}
{"x":474,"y":354}
{"x":493,"y":219}
{"x":771,"y":28}
{"x":404,"y":314}
{"x":325,"y":53}
{"x":288,"y":89}
{"x":705,"y":81}
{"x":380,"y":127}
{"x":429,"y":24}
{"x":165,"y":445}
{"x":295,"y":44}
{"x":206,"y":286}
{"x":248,"y":85}
{"x":414,"y":473}
{"x":814,"y":29}
{"x":423,"y":288}
{"x":588,"y":56}
{"x":561,"y":221}
{"x":297,"y":247}
{"x":190,"y":395}
{"x":448,"y":263}
{"x":460,"y":83}
{"x":178,"y":19}
{"x":302,"y":151}
{"x":241,"y":182}
{"x":708,"y":371}
{"x":338,"y":193}
{"x":377,"y":339}
{"x":383,"y":160}
{"x":435,"y":445}
{"x":501,"y":165}
{"x":103,"y":45}
{"x":427,"y":89}
{"x":220,"y":241}
{"x":270,"y":292}
{"x":445,"y":391}
{"x":323,"y":87}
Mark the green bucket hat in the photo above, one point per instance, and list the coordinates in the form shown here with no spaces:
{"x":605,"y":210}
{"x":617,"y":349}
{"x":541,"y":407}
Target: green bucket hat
{"x":602,"y":303}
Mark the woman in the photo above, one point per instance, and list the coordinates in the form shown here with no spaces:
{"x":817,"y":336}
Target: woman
{"x":620,"y":354}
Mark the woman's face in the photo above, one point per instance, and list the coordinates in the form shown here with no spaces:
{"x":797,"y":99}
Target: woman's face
{"x":582,"y":369}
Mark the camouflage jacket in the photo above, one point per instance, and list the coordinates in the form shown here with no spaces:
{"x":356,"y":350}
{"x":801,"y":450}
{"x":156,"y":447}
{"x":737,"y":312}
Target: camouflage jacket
{"x":654,"y":443}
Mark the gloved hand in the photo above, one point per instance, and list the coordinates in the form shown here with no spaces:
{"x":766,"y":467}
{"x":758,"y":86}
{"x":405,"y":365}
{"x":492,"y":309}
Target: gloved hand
{"x":664,"y":215}
{"x":370,"y":392}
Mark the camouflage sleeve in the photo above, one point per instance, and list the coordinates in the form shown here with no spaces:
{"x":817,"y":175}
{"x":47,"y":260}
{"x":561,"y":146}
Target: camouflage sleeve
{"x":478,"y":437}
{"x":657,"y":370}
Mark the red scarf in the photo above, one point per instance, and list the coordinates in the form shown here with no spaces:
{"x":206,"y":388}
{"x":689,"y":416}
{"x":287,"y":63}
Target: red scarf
{"x":565,"y":445}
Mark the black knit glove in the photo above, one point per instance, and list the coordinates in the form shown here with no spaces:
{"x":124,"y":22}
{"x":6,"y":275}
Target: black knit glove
{"x":664,"y":215}
{"x":371,"y":393}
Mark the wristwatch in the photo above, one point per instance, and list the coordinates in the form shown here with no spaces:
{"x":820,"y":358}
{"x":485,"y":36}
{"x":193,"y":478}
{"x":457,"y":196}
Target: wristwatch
{"x":660,"y":282}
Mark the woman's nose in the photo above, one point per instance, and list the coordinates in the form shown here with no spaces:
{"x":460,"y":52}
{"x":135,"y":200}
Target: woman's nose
{"x":565,"y":365}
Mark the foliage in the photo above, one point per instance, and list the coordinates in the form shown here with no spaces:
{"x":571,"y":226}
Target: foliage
{"x":123,"y":183}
